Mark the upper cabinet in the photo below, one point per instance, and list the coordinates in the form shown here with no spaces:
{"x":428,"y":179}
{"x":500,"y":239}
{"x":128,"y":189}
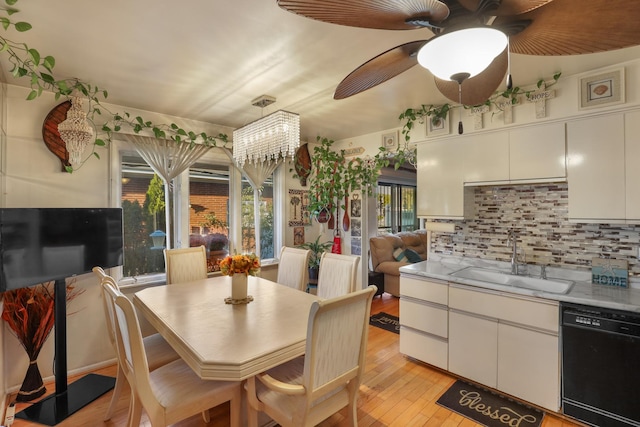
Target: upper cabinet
{"x":439,"y":179}
{"x":537,"y":153}
{"x":596,"y":168}
{"x":527,"y":155}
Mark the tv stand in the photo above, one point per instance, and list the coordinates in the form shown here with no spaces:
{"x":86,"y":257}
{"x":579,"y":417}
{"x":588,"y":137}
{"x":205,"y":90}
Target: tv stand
{"x":66,"y":400}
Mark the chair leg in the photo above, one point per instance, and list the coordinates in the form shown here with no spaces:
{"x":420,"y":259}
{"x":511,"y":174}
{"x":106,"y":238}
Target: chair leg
{"x":117,"y":391}
{"x":205,"y":416}
{"x":135,"y":411}
{"x":352,"y":408}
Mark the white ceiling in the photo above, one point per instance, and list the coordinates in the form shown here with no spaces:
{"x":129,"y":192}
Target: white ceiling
{"x":207,"y":59}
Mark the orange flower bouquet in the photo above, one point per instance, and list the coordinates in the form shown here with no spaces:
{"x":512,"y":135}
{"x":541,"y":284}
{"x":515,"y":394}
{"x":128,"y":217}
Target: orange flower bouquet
{"x":247,"y":264}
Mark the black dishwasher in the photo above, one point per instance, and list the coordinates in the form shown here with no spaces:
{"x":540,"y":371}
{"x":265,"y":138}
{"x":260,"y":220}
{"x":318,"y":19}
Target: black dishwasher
{"x":601,"y":365}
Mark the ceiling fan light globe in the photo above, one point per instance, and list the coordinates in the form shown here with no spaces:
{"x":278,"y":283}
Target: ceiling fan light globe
{"x":468,"y":51}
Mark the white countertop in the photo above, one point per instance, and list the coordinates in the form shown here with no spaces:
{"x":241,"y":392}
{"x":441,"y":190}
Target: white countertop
{"x":582,"y":292}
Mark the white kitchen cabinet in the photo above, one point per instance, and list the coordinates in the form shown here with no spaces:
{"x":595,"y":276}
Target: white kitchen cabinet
{"x":473,"y":347}
{"x":596,"y":168}
{"x":528,"y":365}
{"x":538,"y":153}
{"x":439,"y":180}
{"x":424,"y":321}
{"x":505,"y":341}
{"x":486,"y":157}
{"x":632,"y":171}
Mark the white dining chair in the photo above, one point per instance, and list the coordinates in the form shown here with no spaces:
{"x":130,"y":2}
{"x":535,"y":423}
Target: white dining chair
{"x":293,"y":268}
{"x":337,"y":275}
{"x":309,"y":389}
{"x":172,"y":392}
{"x":158,"y":351}
{"x":185,"y":264}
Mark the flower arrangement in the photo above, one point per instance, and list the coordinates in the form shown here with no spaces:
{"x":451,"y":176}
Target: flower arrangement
{"x":249,"y":264}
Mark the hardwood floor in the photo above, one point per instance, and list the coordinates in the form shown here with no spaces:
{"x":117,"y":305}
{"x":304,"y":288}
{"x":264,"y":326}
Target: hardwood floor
{"x":395,"y":391}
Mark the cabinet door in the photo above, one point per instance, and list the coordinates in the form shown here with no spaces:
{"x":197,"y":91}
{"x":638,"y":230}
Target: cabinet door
{"x":632,"y":171}
{"x":473,"y":347}
{"x":439,"y":180}
{"x":537,"y":153}
{"x":528,"y":365}
{"x":486,"y":157}
{"x":595,"y":168}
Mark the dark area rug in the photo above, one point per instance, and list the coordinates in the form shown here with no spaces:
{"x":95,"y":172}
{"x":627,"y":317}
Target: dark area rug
{"x":488,"y":408}
{"x":385,"y":321}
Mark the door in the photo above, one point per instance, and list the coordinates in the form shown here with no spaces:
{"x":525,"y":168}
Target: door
{"x":396,"y":208}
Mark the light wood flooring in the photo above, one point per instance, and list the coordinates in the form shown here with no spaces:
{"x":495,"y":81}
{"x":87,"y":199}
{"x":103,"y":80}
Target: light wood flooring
{"x":395,"y":391}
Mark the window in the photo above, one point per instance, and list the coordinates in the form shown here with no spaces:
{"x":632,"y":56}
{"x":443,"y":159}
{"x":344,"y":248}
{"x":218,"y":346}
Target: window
{"x":396,"y":208}
{"x":209,"y":221}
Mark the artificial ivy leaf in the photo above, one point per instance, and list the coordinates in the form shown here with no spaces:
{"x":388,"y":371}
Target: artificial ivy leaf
{"x":5,"y":22}
{"x":47,"y":78}
{"x":106,"y":128}
{"x":4,"y":47}
{"x":10,"y":2}
{"x":23,"y":26}
{"x":174,"y":126}
{"x":22,"y":72}
{"x":11,"y":10}
{"x":49,"y":62}
{"x":32,"y":95}
{"x":35,"y":56}
{"x":69,"y":169}
{"x":100,"y":142}
{"x":97,"y":155}
{"x":139,"y":120}
{"x":105,"y":94}
{"x":181,"y":132}
{"x":116,"y":128}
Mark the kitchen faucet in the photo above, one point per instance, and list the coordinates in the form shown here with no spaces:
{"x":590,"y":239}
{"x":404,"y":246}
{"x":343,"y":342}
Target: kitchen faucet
{"x":512,"y":239}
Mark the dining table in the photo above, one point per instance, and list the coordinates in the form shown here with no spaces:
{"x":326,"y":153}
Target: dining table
{"x":224,"y":341}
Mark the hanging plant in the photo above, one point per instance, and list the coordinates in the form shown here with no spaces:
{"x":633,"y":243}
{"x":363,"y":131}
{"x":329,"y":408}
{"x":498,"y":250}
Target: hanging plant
{"x":437,"y":112}
{"x":27,"y":62}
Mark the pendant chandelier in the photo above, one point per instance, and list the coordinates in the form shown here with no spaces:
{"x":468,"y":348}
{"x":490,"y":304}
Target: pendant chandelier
{"x":267,"y":139}
{"x":76,"y":131}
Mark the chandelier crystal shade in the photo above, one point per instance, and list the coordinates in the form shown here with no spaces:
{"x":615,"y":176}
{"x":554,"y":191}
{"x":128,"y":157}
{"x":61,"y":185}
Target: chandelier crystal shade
{"x":268,"y":138}
{"x":76,"y":131}
{"x":463,"y":53}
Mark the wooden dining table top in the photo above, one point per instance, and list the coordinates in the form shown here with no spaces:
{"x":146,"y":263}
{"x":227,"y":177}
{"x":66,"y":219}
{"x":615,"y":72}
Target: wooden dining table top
{"x":221,"y":341}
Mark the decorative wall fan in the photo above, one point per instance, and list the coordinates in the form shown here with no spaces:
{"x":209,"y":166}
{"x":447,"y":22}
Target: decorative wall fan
{"x":534,"y":27}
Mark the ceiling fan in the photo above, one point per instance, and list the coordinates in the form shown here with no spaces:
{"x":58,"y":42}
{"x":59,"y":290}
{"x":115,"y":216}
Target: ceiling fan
{"x":533,"y":27}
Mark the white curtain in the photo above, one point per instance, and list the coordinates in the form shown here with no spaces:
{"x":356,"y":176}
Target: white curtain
{"x":257,"y":174}
{"x":168,"y":159}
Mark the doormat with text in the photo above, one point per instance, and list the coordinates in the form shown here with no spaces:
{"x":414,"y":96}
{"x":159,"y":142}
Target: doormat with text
{"x":488,"y":407}
{"x":385,"y":321}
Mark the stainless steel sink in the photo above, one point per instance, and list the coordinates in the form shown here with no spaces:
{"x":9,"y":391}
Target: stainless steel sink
{"x":556,"y":286}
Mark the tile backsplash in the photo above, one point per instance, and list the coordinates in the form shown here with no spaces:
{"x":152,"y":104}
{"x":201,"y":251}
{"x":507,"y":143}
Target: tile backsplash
{"x":539,"y":214}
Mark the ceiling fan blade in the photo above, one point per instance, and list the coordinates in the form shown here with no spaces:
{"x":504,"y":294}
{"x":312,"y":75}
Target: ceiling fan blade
{"x":478,"y":89}
{"x":379,"y":69}
{"x":506,"y":7}
{"x":379,"y":14}
{"x":570,"y":27}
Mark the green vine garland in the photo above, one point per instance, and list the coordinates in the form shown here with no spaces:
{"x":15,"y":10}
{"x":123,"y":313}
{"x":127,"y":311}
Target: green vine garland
{"x":436,"y":112}
{"x":29,"y":63}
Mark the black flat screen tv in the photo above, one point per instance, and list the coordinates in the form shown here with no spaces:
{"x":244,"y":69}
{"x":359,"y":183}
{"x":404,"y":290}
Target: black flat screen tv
{"x":46,"y":244}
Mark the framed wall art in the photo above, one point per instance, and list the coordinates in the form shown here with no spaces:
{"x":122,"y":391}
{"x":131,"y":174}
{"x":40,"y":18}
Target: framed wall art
{"x":437,"y":126}
{"x":604,"y":89}
{"x":390,"y":140}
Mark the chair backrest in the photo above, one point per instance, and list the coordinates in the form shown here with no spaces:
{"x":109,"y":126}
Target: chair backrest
{"x":337,"y":274}
{"x":108,"y":309}
{"x":185,"y":264}
{"x":336,"y":345}
{"x":130,"y":347}
{"x":293,"y":268}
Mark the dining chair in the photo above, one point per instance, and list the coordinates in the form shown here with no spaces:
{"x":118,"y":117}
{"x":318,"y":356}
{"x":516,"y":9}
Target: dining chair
{"x":310,"y":388}
{"x":158,"y":351}
{"x":185,"y":264}
{"x":172,"y":392}
{"x":293,"y":268}
{"x":337,"y":275}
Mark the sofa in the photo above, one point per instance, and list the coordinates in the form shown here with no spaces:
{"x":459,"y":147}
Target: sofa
{"x":388,"y":255}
